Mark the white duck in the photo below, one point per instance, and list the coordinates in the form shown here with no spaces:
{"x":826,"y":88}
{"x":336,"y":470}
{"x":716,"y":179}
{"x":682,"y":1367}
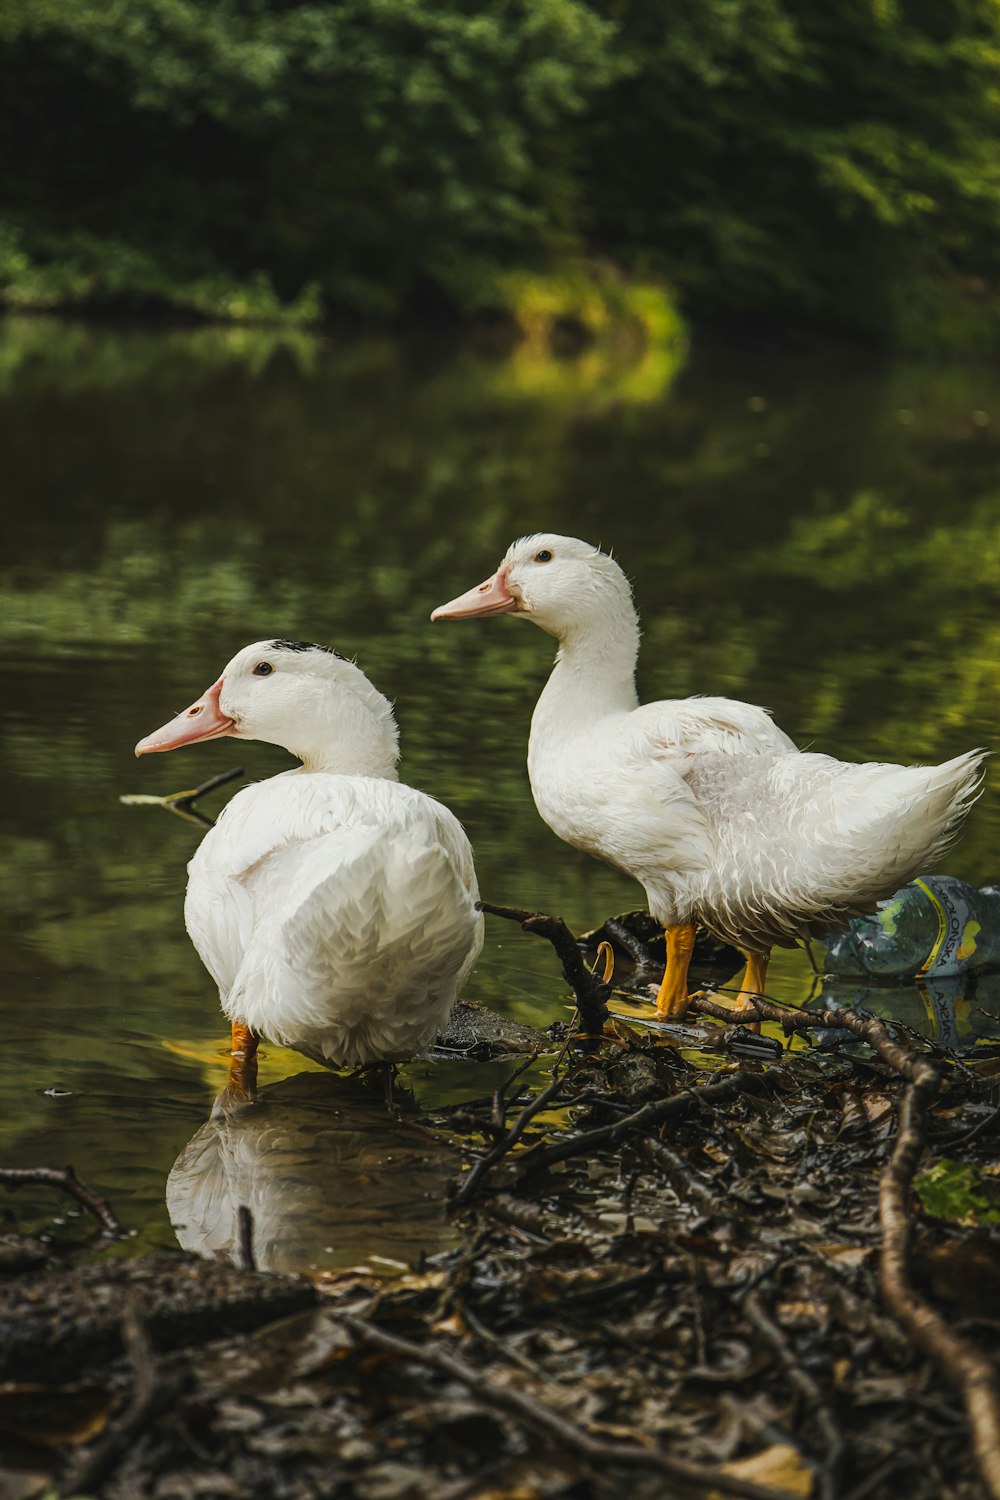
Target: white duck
{"x":334,"y":907}
{"x":704,"y":801}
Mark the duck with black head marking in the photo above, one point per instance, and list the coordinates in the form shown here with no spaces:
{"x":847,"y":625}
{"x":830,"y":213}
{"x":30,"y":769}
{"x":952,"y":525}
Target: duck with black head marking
{"x":334,"y":906}
{"x":704,"y":801}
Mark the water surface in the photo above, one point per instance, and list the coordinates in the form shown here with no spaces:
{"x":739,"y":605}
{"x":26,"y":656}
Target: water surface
{"x":819,"y":533}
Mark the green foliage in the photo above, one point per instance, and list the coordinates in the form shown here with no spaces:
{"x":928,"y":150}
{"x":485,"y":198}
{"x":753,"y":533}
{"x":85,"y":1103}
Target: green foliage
{"x":267,"y":159}
{"x":79,"y":267}
{"x":375,"y":150}
{"x":956,"y":1190}
{"x":838,"y":161}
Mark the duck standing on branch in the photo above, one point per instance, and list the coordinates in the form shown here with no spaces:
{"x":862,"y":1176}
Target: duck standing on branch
{"x":334,"y":907}
{"x":704,"y":801}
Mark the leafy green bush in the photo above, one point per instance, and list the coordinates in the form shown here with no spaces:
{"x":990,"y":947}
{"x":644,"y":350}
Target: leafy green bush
{"x":834,"y":160}
{"x":378,"y":149}
{"x":260,"y":159}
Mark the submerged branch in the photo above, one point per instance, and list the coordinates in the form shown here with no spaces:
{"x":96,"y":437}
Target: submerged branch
{"x":67,"y":1181}
{"x":183,"y":803}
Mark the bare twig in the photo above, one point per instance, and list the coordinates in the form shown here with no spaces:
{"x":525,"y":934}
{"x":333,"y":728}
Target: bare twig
{"x":498,"y":1111}
{"x":244,"y":1239}
{"x":638,"y":951}
{"x":829,"y":1475}
{"x":965,"y":1366}
{"x":67,"y":1181}
{"x":664,"y":1157}
{"x":591,"y":993}
{"x":539,"y":1157}
{"x":535,"y":1414}
{"x":183,"y":803}
{"x":485,"y":1165}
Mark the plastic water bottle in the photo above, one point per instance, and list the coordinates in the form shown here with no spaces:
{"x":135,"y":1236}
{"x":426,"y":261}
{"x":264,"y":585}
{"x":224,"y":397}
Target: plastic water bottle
{"x":934,"y":927}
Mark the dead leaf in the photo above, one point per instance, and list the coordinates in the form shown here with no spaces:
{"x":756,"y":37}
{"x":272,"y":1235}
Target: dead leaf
{"x":879,"y":1110}
{"x":798,"y":1313}
{"x":846,"y":1255}
{"x":51,"y":1416}
{"x":454,"y":1326}
{"x":781,"y":1466}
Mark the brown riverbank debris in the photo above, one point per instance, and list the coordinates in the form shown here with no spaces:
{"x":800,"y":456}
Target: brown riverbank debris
{"x":774,"y":1275}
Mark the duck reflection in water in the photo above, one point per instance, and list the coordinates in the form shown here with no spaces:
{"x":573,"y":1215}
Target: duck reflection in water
{"x":329,"y":1178}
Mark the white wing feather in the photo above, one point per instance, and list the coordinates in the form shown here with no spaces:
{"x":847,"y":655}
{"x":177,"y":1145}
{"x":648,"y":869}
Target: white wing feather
{"x":337,"y":914}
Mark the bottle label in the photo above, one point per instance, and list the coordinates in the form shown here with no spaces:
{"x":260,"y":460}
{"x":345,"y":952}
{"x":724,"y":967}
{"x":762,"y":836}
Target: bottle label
{"x":949,"y":1011}
{"x":955,"y":942}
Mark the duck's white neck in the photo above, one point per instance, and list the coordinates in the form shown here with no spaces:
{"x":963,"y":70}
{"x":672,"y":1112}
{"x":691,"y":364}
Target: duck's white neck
{"x":594,"y":672}
{"x":357,"y":759}
{"x":355,"y":735}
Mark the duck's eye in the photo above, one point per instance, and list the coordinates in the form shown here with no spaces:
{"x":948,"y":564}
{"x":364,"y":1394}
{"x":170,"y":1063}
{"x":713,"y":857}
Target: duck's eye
{"x":543,"y":556}
{"x":263,"y":669}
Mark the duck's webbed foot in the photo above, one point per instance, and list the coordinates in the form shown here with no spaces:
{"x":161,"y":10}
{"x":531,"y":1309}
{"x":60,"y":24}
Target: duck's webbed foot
{"x":672,"y":999}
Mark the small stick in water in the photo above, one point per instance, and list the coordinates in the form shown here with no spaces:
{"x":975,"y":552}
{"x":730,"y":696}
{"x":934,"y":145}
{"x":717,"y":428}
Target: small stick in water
{"x":67,"y":1181}
{"x":182,"y":803}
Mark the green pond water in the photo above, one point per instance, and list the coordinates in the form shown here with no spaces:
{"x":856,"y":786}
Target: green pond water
{"x":819,"y":533}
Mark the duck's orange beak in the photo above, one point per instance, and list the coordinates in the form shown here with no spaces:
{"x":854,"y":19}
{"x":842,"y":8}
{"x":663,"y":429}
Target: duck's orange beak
{"x":490,"y":598}
{"x":204,"y":720}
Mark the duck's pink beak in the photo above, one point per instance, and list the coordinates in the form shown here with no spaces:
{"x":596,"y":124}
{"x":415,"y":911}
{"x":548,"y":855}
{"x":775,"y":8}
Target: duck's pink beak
{"x":204,"y":720}
{"x":490,"y":598}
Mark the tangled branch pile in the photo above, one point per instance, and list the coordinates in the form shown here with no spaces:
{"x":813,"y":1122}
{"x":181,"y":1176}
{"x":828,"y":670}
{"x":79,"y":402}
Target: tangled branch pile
{"x":665,"y":1277}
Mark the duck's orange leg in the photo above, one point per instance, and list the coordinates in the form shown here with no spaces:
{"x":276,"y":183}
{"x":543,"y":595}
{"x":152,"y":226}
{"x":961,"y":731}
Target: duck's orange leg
{"x":244,"y":1043}
{"x":752,"y":987}
{"x":672,"y":997}
{"x":244,"y":1040}
{"x":242,"y":1085}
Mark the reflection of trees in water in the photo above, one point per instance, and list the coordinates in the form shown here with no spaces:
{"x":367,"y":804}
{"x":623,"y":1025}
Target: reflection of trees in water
{"x":329,"y":1176}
